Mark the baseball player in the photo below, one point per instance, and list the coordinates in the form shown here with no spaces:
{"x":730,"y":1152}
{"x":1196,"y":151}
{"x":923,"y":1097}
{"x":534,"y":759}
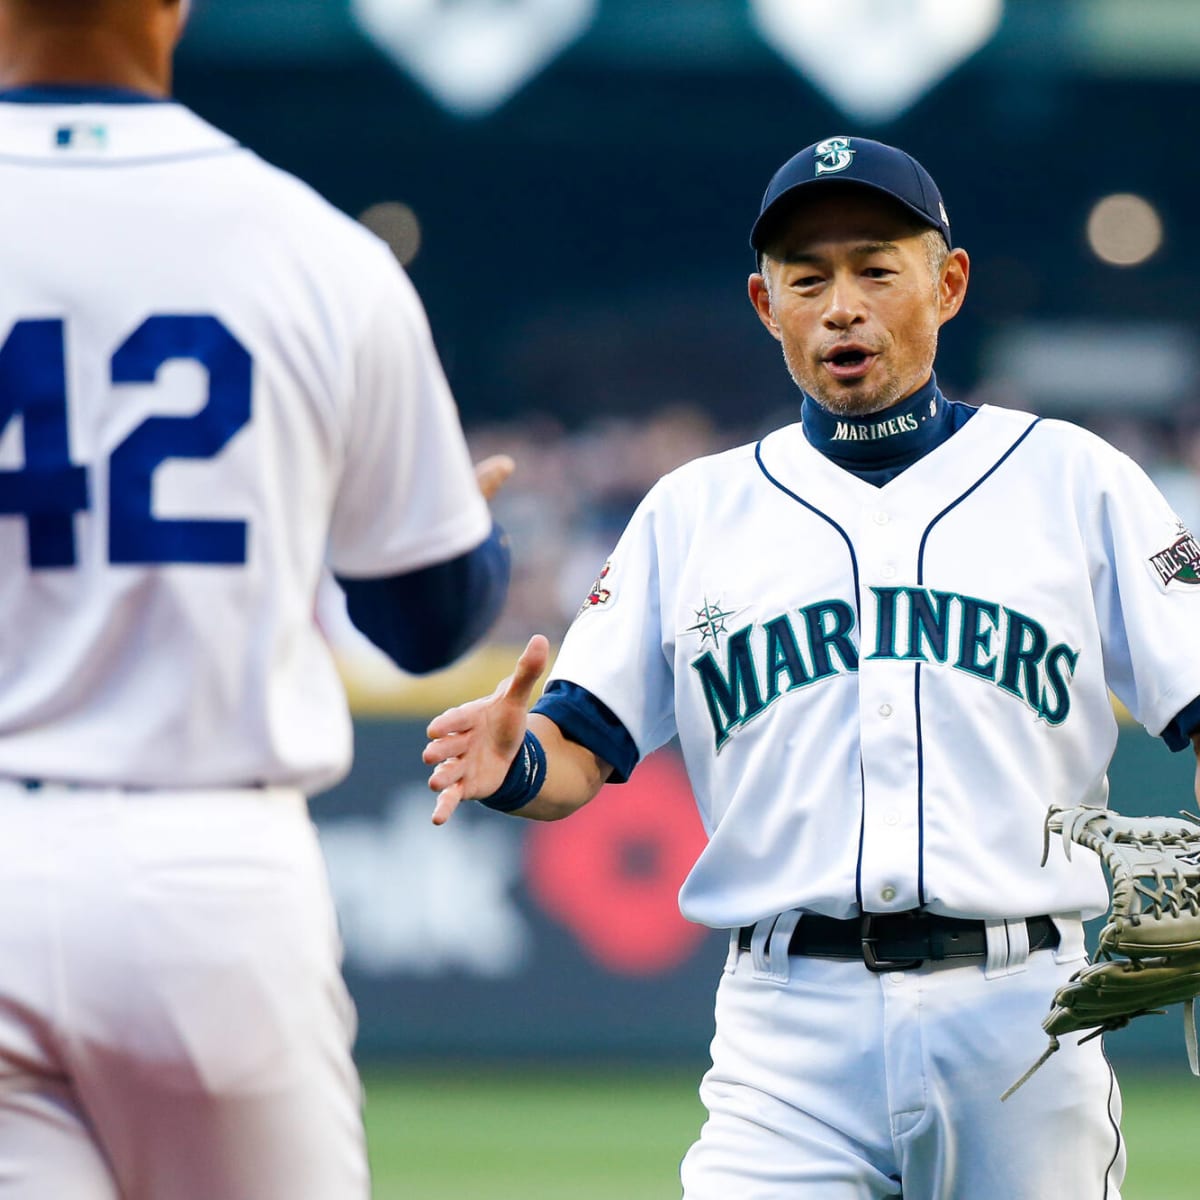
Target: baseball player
{"x":885,"y":637}
{"x":212,"y":387}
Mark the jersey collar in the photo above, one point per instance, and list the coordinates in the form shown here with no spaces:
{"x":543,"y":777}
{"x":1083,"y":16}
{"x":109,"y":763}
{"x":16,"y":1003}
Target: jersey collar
{"x":103,"y":135}
{"x":788,"y":458}
{"x":900,"y":434}
{"x":69,"y":93}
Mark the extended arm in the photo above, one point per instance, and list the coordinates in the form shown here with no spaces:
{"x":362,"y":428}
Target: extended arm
{"x":427,"y":618}
{"x":472,"y":746}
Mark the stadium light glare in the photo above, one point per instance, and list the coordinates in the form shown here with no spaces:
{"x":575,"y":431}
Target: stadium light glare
{"x":397,"y":224}
{"x":876,"y":58}
{"x":1124,"y":230}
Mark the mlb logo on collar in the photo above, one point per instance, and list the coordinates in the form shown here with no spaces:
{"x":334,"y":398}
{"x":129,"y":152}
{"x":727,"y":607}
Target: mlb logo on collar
{"x":81,"y":135}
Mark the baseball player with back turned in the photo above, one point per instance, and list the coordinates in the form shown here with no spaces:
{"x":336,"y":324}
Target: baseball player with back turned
{"x":885,"y":637}
{"x":211,"y":384}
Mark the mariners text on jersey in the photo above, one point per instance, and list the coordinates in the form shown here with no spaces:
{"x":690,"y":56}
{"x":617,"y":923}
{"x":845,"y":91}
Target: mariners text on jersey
{"x":847,"y":431}
{"x":980,"y":637}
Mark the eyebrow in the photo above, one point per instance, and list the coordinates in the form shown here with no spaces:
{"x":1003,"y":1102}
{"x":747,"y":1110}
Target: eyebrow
{"x":862,"y":250}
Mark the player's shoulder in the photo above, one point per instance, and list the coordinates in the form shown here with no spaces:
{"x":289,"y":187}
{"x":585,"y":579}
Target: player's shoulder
{"x":294,"y":209}
{"x":1079,"y":462}
{"x":719,"y":465}
{"x":708,"y":472}
{"x":1068,"y":441}
{"x":264,"y":203}
{"x":680,"y":499}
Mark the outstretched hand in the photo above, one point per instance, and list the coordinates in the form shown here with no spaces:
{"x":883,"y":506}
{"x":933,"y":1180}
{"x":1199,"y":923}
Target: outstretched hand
{"x":474,"y":744}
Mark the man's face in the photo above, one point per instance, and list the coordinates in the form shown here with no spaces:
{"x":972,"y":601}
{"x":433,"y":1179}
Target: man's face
{"x":854,"y":299}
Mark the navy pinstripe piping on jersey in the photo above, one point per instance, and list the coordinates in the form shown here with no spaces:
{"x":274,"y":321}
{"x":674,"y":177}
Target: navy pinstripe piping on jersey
{"x":18,"y":160}
{"x":1116,"y":1125}
{"x":787,"y":491}
{"x":917,"y":673}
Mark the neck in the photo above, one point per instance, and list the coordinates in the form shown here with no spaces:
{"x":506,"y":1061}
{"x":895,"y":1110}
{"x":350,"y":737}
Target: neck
{"x":82,"y":56}
{"x":881,"y":437}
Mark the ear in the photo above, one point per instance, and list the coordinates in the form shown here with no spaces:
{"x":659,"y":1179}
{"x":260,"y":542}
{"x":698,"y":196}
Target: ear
{"x":952,"y":287}
{"x":761,"y":299}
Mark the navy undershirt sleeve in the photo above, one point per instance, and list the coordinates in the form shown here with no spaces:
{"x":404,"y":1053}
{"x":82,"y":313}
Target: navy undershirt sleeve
{"x":1178,"y":735}
{"x":423,"y":620}
{"x":592,"y":724}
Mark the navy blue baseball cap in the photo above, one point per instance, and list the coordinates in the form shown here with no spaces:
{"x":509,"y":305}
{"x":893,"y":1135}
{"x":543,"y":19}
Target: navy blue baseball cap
{"x":858,"y":161}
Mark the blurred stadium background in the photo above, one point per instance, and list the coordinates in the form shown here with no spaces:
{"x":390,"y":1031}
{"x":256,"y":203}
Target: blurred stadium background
{"x":570,"y":184}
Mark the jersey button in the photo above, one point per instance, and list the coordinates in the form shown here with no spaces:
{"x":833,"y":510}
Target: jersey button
{"x":881,"y":518}
{"x":888,"y":571}
{"x":885,"y":711}
{"x":888,"y":894}
{"x":892,"y":818}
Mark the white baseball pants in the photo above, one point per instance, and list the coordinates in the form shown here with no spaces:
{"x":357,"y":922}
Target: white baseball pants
{"x":173,"y":1022}
{"x":830,"y":1081}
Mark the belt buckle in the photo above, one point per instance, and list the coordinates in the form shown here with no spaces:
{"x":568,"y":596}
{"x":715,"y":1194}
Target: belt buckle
{"x":868,"y":938}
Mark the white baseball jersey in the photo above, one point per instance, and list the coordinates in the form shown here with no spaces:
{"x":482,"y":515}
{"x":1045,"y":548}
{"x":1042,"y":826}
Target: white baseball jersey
{"x":211,"y":383}
{"x":878,"y":691}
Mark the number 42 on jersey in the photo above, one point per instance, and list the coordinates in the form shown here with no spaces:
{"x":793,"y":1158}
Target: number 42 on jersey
{"x":50,"y":489}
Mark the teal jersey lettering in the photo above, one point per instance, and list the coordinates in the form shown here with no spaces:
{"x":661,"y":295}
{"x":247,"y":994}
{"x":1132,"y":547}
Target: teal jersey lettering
{"x":979,"y":637}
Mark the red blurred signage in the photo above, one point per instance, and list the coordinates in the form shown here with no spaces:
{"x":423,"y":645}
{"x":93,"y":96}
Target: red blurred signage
{"x":611,"y":873}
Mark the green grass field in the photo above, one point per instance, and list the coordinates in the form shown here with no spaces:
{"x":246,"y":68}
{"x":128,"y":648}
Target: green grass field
{"x":619,"y":1135}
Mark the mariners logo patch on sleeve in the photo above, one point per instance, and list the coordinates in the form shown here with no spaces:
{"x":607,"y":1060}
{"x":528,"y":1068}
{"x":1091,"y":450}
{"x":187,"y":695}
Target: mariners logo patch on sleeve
{"x":600,"y":594}
{"x":1179,"y":562}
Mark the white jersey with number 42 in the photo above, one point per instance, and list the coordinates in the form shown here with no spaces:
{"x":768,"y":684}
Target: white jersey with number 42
{"x":879,"y":691}
{"x":211,"y":382}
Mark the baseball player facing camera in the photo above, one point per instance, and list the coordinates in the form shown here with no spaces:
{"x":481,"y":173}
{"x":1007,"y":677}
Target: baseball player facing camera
{"x":213,"y":388}
{"x":885,"y":636}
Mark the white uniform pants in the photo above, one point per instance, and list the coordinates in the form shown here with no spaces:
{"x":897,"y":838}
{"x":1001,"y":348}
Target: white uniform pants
{"x":173,"y":1023}
{"x":829,"y":1081}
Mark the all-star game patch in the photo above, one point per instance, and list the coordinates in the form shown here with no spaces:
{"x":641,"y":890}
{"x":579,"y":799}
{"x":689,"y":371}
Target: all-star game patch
{"x":599,"y":595}
{"x":1179,"y":562}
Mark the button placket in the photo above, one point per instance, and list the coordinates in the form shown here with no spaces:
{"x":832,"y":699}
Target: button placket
{"x":887,"y":548}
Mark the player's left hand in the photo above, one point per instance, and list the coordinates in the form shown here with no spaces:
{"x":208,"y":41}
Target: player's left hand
{"x":492,"y":473}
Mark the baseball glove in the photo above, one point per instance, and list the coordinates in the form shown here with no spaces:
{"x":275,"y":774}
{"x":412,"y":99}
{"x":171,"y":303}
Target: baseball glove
{"x":1148,"y":954}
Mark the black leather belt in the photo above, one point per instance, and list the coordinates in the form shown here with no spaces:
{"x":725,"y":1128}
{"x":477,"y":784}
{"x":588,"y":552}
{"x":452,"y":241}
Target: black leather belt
{"x":899,"y":941}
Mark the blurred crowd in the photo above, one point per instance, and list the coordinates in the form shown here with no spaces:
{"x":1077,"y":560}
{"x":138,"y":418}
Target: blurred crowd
{"x":574,"y":490}
{"x":572,"y":494}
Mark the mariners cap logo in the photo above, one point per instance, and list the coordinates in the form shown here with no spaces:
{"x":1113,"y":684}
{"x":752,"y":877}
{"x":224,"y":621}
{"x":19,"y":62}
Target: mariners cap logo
{"x":833,"y":154}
